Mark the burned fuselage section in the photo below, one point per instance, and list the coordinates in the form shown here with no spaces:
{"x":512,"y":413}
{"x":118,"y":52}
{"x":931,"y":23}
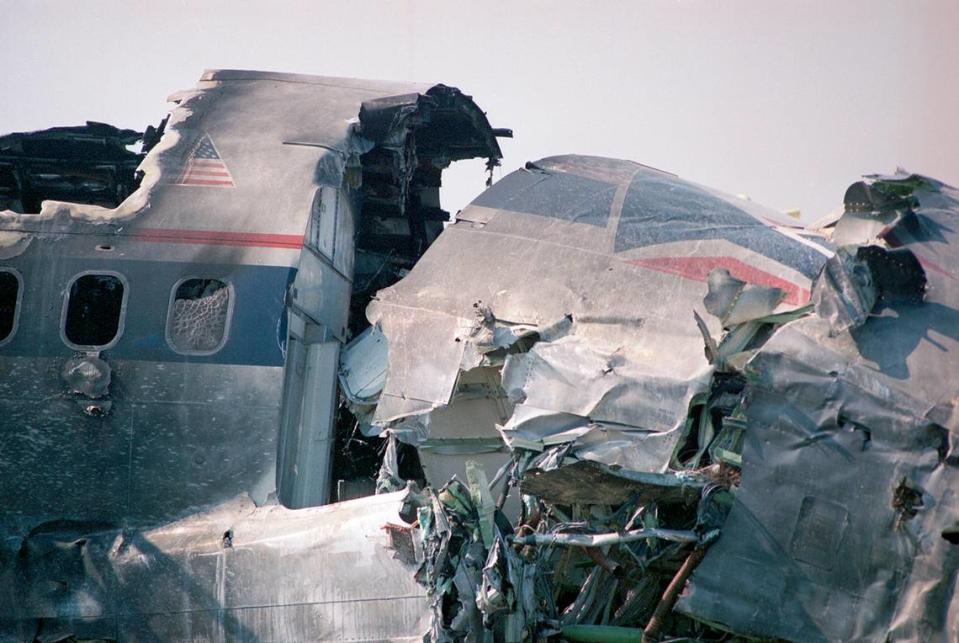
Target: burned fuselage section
{"x":173,"y":319}
{"x":88,"y":164}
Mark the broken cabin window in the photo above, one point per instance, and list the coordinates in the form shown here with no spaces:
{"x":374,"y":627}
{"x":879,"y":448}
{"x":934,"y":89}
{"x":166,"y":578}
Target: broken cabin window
{"x":199,"y":315}
{"x":9,"y":303}
{"x":94,"y":310}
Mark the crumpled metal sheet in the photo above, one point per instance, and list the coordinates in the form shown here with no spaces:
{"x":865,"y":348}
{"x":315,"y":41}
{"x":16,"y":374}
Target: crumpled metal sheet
{"x":832,"y":424}
{"x":236,"y":573}
{"x":735,"y":301}
{"x":844,"y":293}
{"x":594,"y":258}
{"x":631,"y":415}
{"x":849,"y":469}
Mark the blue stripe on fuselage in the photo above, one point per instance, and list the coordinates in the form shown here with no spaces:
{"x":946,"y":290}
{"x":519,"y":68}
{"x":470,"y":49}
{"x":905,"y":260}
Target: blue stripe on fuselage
{"x":256,"y":331}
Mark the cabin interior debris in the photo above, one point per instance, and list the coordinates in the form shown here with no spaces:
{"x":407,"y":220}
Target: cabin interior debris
{"x":90,"y":163}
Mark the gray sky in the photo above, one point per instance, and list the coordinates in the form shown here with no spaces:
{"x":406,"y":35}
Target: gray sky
{"x":786,"y":101}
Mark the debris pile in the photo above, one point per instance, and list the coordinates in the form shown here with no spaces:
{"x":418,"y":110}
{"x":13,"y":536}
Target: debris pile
{"x":594,"y":551}
{"x":572,"y":570}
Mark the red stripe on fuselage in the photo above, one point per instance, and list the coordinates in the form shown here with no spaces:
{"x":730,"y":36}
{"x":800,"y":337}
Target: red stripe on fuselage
{"x":218,"y":238}
{"x":698,"y":269}
{"x":210,"y":172}
{"x":191,"y":181}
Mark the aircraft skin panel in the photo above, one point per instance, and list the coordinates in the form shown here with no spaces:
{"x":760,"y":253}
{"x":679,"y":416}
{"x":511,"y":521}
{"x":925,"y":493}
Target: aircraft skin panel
{"x":564,"y":220}
{"x":178,"y":437}
{"x":369,"y":86}
{"x":166,"y":444}
{"x":277,"y":188}
{"x":234,"y":573}
{"x":278,"y":138}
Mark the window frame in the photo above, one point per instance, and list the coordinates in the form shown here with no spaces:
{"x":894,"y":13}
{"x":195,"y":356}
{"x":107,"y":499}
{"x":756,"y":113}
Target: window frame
{"x":17,"y":306}
{"x":227,"y":327}
{"x":121,"y":322}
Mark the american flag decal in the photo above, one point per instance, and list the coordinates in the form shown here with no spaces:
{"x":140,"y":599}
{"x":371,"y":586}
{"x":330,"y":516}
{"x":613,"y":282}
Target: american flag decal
{"x":204,"y":167}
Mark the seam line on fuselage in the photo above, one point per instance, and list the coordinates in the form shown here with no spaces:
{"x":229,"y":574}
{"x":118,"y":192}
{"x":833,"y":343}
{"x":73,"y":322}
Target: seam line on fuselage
{"x":268,"y":605}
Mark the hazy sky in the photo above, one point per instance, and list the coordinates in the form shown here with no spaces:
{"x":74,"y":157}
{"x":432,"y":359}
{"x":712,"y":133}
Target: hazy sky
{"x":786,"y":101}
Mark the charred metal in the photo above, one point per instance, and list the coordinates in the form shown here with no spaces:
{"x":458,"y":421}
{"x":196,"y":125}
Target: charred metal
{"x":91,"y":164}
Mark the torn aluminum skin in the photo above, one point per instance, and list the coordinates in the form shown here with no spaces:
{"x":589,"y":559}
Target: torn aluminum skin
{"x":822,"y":405}
{"x":844,"y":525}
{"x":598,"y":265}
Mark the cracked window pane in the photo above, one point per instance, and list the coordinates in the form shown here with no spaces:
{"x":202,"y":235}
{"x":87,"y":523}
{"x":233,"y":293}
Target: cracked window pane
{"x":93,"y":310}
{"x":198,"y":316}
{"x":9,"y":295}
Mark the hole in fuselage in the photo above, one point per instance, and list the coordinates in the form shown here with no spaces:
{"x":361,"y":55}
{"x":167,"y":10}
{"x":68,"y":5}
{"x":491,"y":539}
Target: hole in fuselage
{"x":951,"y":534}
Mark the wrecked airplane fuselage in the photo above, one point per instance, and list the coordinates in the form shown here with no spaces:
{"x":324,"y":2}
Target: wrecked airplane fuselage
{"x":666,"y":412}
{"x":171,"y":326}
{"x":573,"y":282}
{"x":715,"y":422}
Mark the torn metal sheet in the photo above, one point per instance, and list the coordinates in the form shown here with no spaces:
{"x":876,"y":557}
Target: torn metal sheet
{"x":600,"y":264}
{"x":778,"y":467}
{"x":856,"y":279}
{"x":844,"y":293}
{"x":735,"y":301}
{"x":840,"y":529}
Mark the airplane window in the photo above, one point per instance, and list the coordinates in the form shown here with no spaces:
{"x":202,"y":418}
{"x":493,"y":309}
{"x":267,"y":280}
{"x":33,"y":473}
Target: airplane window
{"x":94,"y":310}
{"x":198,"y":317}
{"x":9,"y":297}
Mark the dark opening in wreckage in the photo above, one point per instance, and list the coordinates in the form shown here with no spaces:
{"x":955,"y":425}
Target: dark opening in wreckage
{"x":256,"y":385}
